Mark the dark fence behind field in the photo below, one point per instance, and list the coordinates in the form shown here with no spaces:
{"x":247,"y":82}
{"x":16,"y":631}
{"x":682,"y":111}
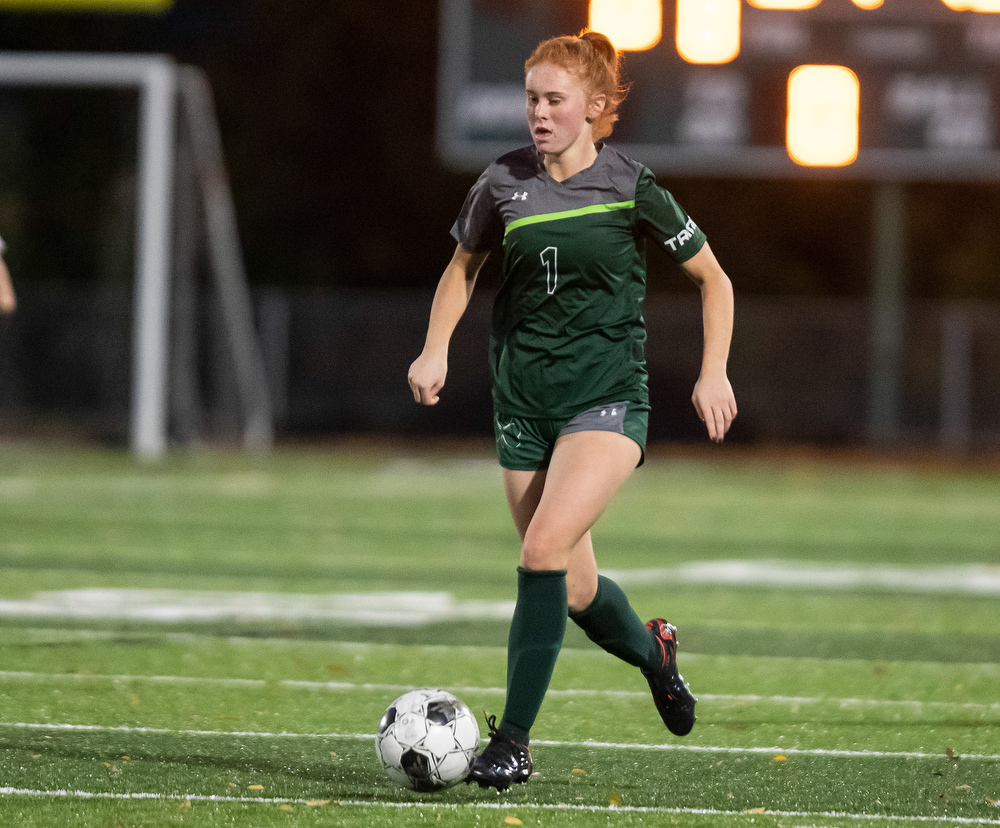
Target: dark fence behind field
{"x":337,"y":363}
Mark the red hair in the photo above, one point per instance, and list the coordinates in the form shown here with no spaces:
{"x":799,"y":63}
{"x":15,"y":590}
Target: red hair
{"x":593,"y":58}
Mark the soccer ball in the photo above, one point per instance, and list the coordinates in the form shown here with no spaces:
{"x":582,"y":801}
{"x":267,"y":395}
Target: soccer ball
{"x":427,"y":740}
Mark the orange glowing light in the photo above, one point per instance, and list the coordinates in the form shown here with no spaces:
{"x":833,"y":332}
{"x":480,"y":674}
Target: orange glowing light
{"x":823,"y":109}
{"x":708,"y":31}
{"x":973,"y":5}
{"x":868,"y":4}
{"x":794,"y":5}
{"x":632,"y":25}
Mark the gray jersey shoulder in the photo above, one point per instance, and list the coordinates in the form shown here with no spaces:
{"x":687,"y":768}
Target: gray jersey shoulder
{"x":519,"y":186}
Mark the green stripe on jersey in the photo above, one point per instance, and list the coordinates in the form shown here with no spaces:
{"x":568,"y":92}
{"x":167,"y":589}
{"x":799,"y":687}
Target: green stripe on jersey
{"x":562,"y":214}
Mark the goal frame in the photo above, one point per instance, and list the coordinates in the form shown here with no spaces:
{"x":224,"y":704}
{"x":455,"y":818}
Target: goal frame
{"x":159,"y":80}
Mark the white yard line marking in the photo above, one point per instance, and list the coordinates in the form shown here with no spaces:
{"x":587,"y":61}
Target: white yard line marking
{"x":651,"y":809}
{"x":413,"y":608}
{"x":483,"y":806}
{"x":165,"y":731}
{"x":346,"y":686}
{"x":172,"y":606}
{"x":970,"y":579}
{"x":785,"y":751}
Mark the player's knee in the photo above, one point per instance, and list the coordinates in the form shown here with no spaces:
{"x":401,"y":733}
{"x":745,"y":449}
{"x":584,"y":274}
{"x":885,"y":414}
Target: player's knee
{"x":542,"y":550}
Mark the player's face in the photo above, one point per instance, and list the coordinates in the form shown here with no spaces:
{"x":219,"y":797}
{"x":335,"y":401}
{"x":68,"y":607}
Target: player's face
{"x":557,"y":107}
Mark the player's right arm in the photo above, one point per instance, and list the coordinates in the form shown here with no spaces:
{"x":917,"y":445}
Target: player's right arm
{"x":428,"y":371}
{"x":8,"y":301}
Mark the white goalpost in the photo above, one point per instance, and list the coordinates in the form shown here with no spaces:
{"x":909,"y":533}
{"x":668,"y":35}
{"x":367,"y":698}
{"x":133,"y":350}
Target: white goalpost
{"x":160,"y":82}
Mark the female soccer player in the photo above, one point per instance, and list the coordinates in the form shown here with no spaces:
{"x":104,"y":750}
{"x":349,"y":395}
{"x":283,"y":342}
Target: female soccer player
{"x":569,"y":217}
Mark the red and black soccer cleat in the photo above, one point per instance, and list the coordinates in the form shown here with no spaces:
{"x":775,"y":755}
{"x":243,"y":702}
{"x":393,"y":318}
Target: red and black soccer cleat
{"x":671,"y":695}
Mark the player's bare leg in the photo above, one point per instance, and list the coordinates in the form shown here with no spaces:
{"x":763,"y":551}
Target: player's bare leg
{"x":524,"y":490}
{"x":595,"y":467}
{"x":586,"y":470}
{"x":553,"y":512}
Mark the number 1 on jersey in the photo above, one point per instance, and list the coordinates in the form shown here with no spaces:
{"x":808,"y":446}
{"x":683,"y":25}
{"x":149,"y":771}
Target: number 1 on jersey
{"x":549,"y":259}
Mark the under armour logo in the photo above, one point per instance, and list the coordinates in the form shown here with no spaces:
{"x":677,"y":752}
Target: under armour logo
{"x":520,"y":196}
{"x":508,"y":435}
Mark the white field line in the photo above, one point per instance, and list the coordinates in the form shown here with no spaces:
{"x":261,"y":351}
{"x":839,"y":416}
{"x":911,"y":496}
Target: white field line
{"x":414,"y":608}
{"x":483,"y":806}
{"x":345,"y":686}
{"x":174,"y":606}
{"x":247,"y":734}
{"x":969,"y":579}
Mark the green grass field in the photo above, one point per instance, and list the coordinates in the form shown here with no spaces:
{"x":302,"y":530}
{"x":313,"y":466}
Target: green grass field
{"x":213,"y":641}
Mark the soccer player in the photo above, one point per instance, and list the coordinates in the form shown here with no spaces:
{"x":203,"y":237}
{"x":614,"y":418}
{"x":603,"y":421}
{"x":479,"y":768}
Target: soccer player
{"x":8,"y":300}
{"x":570,"y":215}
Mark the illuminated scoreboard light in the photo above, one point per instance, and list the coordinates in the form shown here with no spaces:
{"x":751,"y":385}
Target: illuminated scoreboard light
{"x":868,"y":89}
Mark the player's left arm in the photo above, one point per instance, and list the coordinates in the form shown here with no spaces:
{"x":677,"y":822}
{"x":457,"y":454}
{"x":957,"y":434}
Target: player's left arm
{"x":713,"y":396}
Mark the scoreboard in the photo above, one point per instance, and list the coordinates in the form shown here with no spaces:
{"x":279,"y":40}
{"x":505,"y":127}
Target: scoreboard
{"x":890,"y":90}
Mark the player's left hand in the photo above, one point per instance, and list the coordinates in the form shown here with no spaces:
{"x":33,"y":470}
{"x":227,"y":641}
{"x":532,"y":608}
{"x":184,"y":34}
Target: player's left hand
{"x":715,"y":403}
{"x":426,"y":377}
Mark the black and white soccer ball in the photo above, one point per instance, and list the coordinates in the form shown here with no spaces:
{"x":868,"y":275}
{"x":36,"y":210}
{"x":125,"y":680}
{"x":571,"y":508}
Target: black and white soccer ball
{"x":427,"y":740}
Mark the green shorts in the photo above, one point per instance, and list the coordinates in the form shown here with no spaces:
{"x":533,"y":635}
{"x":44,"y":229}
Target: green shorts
{"x":526,"y":443}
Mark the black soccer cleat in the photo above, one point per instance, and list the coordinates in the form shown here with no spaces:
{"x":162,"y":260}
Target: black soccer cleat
{"x":671,"y":695}
{"x":502,"y":763}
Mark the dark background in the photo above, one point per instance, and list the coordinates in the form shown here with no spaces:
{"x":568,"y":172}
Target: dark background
{"x":327,"y":117}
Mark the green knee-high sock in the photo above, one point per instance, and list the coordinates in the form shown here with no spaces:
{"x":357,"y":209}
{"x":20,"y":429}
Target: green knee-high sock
{"x":536,"y":634}
{"x":611,"y":623}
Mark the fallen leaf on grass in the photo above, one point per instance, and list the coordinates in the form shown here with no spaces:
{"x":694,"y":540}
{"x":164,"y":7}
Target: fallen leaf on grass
{"x":754,"y":811}
{"x":952,"y":757}
{"x":512,"y":821}
{"x":780,"y":758}
{"x":255,"y":787}
{"x":312,"y":803}
{"x":962,"y":788}
{"x":285,"y":807}
{"x":578,"y":770}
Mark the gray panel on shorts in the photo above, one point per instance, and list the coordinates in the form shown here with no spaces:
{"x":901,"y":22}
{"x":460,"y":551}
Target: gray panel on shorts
{"x":609,"y":417}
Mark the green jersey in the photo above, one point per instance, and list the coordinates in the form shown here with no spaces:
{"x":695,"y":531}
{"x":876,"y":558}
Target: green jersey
{"x":568,"y":331}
